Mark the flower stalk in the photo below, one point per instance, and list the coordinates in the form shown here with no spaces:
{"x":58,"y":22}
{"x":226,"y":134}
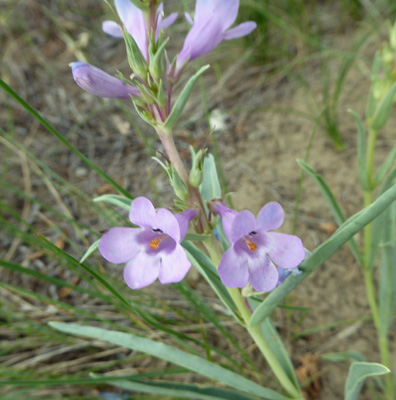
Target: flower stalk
{"x":215,"y":254}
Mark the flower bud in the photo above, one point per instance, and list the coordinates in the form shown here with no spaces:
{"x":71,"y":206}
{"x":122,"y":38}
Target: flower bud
{"x":95,"y":81}
{"x":196,"y":173}
{"x":180,"y":188}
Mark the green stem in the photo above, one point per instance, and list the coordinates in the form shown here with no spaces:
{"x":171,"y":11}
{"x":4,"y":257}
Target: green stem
{"x":255,"y":332}
{"x":368,"y":269}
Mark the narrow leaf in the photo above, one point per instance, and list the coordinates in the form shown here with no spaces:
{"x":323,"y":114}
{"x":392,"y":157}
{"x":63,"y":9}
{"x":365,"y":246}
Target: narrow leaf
{"x":206,"y":268}
{"x":170,"y":354}
{"x":358,"y":373}
{"x":377,"y":229}
{"x":344,"y":233}
{"x":332,"y":203}
{"x":116,"y":200}
{"x":273,"y":339}
{"x":387,"y":279}
{"x":50,"y":128}
{"x":175,"y":390}
{"x":180,"y":103}
{"x":92,"y":249}
{"x":361,"y":150}
{"x":384,"y":109}
{"x":386,"y":166}
{"x":210,"y":188}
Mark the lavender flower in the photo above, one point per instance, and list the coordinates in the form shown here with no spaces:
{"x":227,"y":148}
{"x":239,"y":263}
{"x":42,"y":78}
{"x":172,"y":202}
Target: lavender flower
{"x":95,"y":81}
{"x":135,"y":23}
{"x":210,"y":27}
{"x":151,"y":251}
{"x":254,"y":250}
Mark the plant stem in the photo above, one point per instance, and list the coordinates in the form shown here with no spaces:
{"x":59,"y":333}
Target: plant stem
{"x":368,"y":268}
{"x":255,"y":332}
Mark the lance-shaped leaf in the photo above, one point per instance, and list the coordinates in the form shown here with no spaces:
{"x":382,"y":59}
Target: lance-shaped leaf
{"x":358,"y":373}
{"x":332,"y":203}
{"x":384,"y":109}
{"x":92,"y":249}
{"x":344,"y":233}
{"x":116,"y":200}
{"x":180,"y":103}
{"x":175,"y":390}
{"x":361,"y":150}
{"x":210,"y":188}
{"x":387,"y":280}
{"x":173,"y":355}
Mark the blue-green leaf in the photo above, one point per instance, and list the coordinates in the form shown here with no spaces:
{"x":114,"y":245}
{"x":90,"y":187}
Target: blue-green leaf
{"x":387,"y":278}
{"x":344,"y":356}
{"x":181,"y":101}
{"x":116,"y":200}
{"x":344,"y":233}
{"x":332,"y":203}
{"x":274,"y":341}
{"x":358,"y":373}
{"x":384,"y":109}
{"x":361,"y":150}
{"x":171,"y":354}
{"x":92,"y":249}
{"x":210,"y":188}
{"x":175,"y":390}
{"x":207,"y":269}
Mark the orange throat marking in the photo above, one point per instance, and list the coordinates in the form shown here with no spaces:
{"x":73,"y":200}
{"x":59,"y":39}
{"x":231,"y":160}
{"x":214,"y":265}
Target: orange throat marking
{"x":250,"y":244}
{"x":154,"y":243}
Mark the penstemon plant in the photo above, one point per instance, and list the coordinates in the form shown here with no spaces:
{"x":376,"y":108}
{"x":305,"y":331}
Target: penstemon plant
{"x":250,"y":267}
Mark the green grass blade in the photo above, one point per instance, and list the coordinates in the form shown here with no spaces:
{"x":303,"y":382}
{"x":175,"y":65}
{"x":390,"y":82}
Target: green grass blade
{"x":343,"y":234}
{"x":176,"y":390}
{"x":170,"y":354}
{"x":51,"y":129}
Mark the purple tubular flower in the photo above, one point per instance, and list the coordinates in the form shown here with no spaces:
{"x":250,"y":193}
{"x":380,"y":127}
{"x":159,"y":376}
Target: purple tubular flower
{"x":134,"y":22}
{"x":254,"y":250}
{"x":151,"y":251}
{"x":210,"y":27}
{"x":95,"y":81}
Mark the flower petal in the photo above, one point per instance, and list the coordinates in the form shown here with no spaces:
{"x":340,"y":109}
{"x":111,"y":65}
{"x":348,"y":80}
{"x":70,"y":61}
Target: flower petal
{"x":243,"y":224}
{"x":204,"y":9}
{"x":133,"y":19}
{"x":188,"y":18}
{"x":233,"y":268}
{"x":270,"y":217}
{"x":263,"y":275}
{"x":119,"y":245}
{"x":142,"y":213}
{"x":95,"y":81}
{"x":168,"y":21}
{"x":168,"y":224}
{"x":174,"y":265}
{"x":227,"y":216}
{"x":142,"y":270}
{"x":202,"y":38}
{"x":241,"y":30}
{"x":226,"y":11}
{"x":112,"y":29}
{"x":184,"y":219}
{"x":286,"y":251}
